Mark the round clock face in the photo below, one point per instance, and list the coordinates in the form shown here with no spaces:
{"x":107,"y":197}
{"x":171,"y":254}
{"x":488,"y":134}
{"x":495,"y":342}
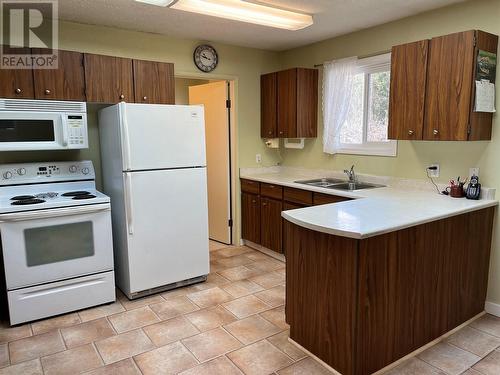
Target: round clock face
{"x":205,"y":58}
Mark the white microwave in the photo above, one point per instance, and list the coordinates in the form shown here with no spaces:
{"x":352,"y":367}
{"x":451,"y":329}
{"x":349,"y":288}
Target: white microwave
{"x":27,"y":125}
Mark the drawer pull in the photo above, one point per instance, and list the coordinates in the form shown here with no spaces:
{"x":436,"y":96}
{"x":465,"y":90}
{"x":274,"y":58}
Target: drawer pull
{"x":18,"y":91}
{"x":435,"y":132}
{"x":47,"y":92}
{"x":410,"y":132}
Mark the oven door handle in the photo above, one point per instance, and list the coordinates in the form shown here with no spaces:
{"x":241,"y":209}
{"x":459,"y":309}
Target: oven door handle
{"x":57,"y":212}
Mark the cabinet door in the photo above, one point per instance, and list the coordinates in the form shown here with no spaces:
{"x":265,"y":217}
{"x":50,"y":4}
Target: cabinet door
{"x":154,"y":82}
{"x":449,"y":85}
{"x":407,"y":94}
{"x":307,"y":103}
{"x":250,"y":217}
{"x":287,"y":103}
{"x":16,"y":83}
{"x":67,"y":82}
{"x":320,"y":198}
{"x":108,"y":79}
{"x":271,"y":224}
{"x":268,"y":103}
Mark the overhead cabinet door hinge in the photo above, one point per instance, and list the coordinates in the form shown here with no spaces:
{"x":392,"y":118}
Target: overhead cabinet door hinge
{"x":228,"y":103}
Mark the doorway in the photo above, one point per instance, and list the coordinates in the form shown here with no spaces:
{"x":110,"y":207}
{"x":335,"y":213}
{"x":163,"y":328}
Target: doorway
{"x":215,"y":96}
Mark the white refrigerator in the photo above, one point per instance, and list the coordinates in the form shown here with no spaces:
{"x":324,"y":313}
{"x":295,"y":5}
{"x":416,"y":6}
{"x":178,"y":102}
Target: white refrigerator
{"x":154,"y":170}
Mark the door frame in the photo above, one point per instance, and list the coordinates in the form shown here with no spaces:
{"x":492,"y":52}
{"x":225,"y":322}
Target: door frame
{"x":233,"y":141}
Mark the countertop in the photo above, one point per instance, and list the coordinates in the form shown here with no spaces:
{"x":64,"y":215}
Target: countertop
{"x":400,"y":205}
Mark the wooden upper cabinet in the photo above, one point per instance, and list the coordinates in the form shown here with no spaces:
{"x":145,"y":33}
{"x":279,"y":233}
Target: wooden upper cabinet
{"x":289,"y":104}
{"x":407,"y":93}
{"x":67,"y":82}
{"x":268,"y":105}
{"x":108,"y":79}
{"x":154,"y":82}
{"x":433,"y":89}
{"x":307,"y":103}
{"x":449,"y":87}
{"x":16,"y":83}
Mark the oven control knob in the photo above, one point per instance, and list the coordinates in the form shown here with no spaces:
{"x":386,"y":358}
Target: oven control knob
{"x":85,"y":170}
{"x":21,"y":171}
{"x":7,"y":175}
{"x":73,"y":169}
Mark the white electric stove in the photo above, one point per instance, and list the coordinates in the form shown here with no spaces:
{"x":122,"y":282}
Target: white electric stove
{"x":56,"y":237}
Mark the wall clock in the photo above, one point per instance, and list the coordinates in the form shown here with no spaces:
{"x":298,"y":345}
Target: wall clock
{"x":205,"y":58}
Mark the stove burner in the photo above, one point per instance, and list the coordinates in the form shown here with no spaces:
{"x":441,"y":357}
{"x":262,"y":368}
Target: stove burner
{"x":84,"y":196}
{"x":75,"y":193}
{"x":47,"y":195}
{"x":22,"y":197}
{"x":27,"y":201}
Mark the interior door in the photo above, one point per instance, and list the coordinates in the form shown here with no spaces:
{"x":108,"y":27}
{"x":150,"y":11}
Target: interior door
{"x":167,"y":226}
{"x":213,"y":97}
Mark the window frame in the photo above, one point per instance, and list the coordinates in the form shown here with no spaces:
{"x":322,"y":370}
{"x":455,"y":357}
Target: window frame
{"x":367,"y":66}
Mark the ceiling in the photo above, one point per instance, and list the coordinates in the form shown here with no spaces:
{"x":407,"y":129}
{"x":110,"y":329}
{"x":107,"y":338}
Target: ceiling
{"x":331,"y":18}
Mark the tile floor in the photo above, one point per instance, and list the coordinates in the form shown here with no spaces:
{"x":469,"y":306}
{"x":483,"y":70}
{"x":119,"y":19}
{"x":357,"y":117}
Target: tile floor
{"x":232,"y":324}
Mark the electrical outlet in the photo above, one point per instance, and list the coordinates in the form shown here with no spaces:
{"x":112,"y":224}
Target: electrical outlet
{"x":258,"y":158}
{"x":433,"y":172}
{"x":473,"y":172}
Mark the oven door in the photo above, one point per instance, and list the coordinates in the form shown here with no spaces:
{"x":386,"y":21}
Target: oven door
{"x":56,"y":244}
{"x":32,"y":131}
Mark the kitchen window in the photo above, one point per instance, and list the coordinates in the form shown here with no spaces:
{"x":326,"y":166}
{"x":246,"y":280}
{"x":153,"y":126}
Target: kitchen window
{"x":363,"y":128}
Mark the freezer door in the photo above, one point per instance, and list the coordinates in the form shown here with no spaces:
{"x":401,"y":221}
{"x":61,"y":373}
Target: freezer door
{"x":167,"y":226}
{"x":162,"y":136}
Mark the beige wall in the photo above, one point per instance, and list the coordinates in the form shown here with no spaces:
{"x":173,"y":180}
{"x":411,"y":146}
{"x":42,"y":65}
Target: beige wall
{"x":455,"y":157}
{"x":243,"y":65}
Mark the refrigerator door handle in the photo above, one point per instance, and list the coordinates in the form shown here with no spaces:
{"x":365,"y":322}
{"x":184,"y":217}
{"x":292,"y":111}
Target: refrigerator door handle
{"x":126,"y":137}
{"x":128,"y":203}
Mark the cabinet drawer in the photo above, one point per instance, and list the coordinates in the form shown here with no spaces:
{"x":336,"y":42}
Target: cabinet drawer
{"x":271,"y":191}
{"x":249,"y":186}
{"x":320,"y":198}
{"x":298,"y":196}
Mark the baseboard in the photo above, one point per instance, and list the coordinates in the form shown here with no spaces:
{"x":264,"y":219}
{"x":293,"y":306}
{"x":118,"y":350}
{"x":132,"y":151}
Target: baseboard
{"x":492,"y":308}
{"x":265,"y":250}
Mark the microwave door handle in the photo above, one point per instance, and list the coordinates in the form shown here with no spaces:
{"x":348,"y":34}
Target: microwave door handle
{"x":64,"y":131}
{"x":128,"y":203}
{"x":57,"y":212}
{"x":126,"y":137}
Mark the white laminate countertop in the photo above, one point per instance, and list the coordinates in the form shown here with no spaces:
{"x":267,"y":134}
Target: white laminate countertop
{"x":374,"y":211}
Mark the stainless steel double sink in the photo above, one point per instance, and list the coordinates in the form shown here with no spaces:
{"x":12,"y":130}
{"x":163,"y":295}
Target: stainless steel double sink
{"x":338,"y":184}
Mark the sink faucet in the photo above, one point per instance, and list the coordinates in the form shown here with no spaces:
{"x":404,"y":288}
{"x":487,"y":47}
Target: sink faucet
{"x":350,"y":173}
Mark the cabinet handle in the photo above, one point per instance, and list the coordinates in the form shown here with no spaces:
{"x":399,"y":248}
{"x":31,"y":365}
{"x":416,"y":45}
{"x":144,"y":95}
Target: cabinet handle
{"x":410,"y":132}
{"x":18,"y":91}
{"x":254,"y":201}
{"x":435,"y":132}
{"x":281,"y":132}
{"x":264,"y":204}
{"x":47,"y":92}
{"x":144,"y":98}
{"x":122,"y":96}
{"x":270,"y":132}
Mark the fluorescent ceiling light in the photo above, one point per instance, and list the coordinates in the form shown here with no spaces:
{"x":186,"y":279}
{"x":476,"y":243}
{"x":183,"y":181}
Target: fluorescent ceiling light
{"x":160,"y":3}
{"x":241,"y":11}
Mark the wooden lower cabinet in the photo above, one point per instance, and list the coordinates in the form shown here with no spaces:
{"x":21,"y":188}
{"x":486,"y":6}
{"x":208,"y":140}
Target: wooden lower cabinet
{"x":271,"y":224}
{"x":250,"y":217}
{"x":360,"y":305}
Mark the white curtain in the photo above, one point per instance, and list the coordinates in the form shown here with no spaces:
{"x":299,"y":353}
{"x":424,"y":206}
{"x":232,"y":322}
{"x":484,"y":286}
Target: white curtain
{"x":337,"y":92}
